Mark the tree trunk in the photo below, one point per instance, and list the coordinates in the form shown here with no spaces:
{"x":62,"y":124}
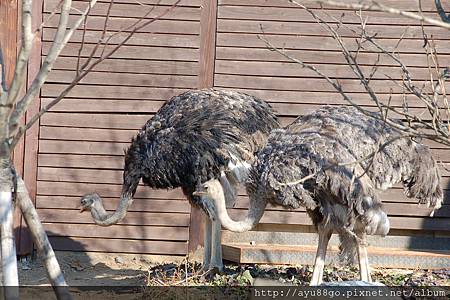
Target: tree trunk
{"x":42,"y":243}
{"x":8,"y":247}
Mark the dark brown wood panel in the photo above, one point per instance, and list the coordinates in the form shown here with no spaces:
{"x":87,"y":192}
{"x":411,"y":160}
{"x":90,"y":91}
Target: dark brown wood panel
{"x":244,"y":63}
{"x":86,"y":134}
{"x":298,"y":27}
{"x":131,"y":10}
{"x":139,"y":204}
{"x":118,"y":245}
{"x":133,"y":218}
{"x":129,"y":52}
{"x":300,"y":15}
{"x":292,"y":69}
{"x":325,"y":57}
{"x":133,"y":66}
{"x":301,"y":218}
{"x":90,"y":129}
{"x":80,"y":161}
{"x":49,"y":188}
{"x":125,"y":79}
{"x":116,"y":24}
{"x":138,"y":39}
{"x":391,"y":208}
{"x":319,"y":43}
{"x":115,"y":176}
{"x":118,"y":232}
{"x":410,"y":5}
{"x":112,"y":92}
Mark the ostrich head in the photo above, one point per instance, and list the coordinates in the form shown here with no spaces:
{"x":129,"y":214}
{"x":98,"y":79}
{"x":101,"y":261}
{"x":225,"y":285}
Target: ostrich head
{"x":212,"y":191}
{"x":91,"y":202}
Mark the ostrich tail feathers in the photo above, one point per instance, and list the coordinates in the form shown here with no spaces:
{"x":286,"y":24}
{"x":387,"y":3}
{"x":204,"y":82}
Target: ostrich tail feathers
{"x":376,"y":222}
{"x":424,"y":183}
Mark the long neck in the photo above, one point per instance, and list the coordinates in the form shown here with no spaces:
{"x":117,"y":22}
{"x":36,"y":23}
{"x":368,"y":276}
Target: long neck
{"x":254,"y":214}
{"x":101,"y":217}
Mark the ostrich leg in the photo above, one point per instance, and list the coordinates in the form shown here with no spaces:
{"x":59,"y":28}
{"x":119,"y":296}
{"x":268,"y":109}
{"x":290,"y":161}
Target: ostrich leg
{"x":216,"y":247}
{"x":207,"y":244}
{"x":363,"y":259}
{"x":324,"y":237}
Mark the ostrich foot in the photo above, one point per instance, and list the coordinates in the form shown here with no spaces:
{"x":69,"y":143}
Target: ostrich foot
{"x":212,"y":272}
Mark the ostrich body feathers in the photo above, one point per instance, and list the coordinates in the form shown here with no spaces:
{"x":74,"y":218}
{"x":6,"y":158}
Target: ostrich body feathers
{"x":195,"y":136}
{"x":309,"y":164}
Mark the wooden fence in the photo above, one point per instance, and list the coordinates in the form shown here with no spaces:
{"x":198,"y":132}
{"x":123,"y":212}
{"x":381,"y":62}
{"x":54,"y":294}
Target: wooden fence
{"x":78,"y":146}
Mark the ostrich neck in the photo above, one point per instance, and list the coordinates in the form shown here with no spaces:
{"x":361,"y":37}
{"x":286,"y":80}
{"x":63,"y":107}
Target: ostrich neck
{"x":101,"y":217}
{"x":254,"y":214}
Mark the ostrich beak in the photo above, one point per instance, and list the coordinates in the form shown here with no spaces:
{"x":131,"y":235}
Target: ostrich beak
{"x":199,"y":193}
{"x":81,"y":208}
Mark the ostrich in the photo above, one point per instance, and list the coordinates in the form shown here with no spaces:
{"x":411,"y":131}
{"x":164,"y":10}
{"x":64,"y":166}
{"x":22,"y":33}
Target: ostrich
{"x":195,"y":137}
{"x":321,"y":162}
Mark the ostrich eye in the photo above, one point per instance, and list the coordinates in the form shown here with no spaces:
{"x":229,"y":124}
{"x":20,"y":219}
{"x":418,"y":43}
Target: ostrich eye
{"x":206,"y":187}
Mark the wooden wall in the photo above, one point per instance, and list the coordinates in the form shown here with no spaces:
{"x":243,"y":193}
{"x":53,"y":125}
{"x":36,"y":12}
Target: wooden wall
{"x":244,"y":63}
{"x":81,"y":141}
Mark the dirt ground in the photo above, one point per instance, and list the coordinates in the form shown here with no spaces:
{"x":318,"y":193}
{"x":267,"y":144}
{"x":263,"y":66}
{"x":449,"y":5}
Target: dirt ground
{"x":136,"y":272}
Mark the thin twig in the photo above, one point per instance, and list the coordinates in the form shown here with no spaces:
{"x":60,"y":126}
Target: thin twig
{"x":375,"y":6}
{"x":3,"y":87}
{"x":86,"y":71}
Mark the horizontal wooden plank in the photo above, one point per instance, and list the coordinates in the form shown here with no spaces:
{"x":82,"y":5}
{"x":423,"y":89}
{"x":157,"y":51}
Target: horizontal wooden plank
{"x":159,"y":2}
{"x":81,"y":161}
{"x":300,"y":218}
{"x":112,"y":176}
{"x":112,"y":92}
{"x":80,"y":175}
{"x":86,"y":134}
{"x":126,"y":24}
{"x":127,"y":52}
{"x":305,"y":25}
{"x":51,"y":188}
{"x":291,"y":69}
{"x":125,"y":79}
{"x":133,"y":66}
{"x":76,"y":147}
{"x":118,"y":245}
{"x":297,"y":14}
{"x":305,"y":84}
{"x":320,"y":43}
{"x":392,"y":209}
{"x":108,"y":148}
{"x":130,"y":10}
{"x":139,"y":205}
{"x":132,"y":218}
{"x":409,"y":5}
{"x":118,"y":232}
{"x":138,"y":39}
{"x":319,"y":97}
{"x":294,"y":109}
{"x":325,"y":57}
{"x":114,"y":135}
{"x":110,"y":121}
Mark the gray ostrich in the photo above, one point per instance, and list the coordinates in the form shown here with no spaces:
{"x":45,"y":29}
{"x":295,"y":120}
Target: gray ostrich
{"x":198,"y":136}
{"x":324,"y":163}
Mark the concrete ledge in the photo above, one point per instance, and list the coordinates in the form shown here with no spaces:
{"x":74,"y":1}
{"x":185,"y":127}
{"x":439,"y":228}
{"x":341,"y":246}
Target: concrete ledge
{"x":288,"y":254}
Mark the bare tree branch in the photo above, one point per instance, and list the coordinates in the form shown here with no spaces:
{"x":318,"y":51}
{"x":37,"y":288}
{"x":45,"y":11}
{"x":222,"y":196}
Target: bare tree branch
{"x":24,"y":52}
{"x":375,"y":6}
{"x":3,"y":87}
{"x":86,"y":69}
{"x":61,"y":39}
{"x":416,"y":126}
